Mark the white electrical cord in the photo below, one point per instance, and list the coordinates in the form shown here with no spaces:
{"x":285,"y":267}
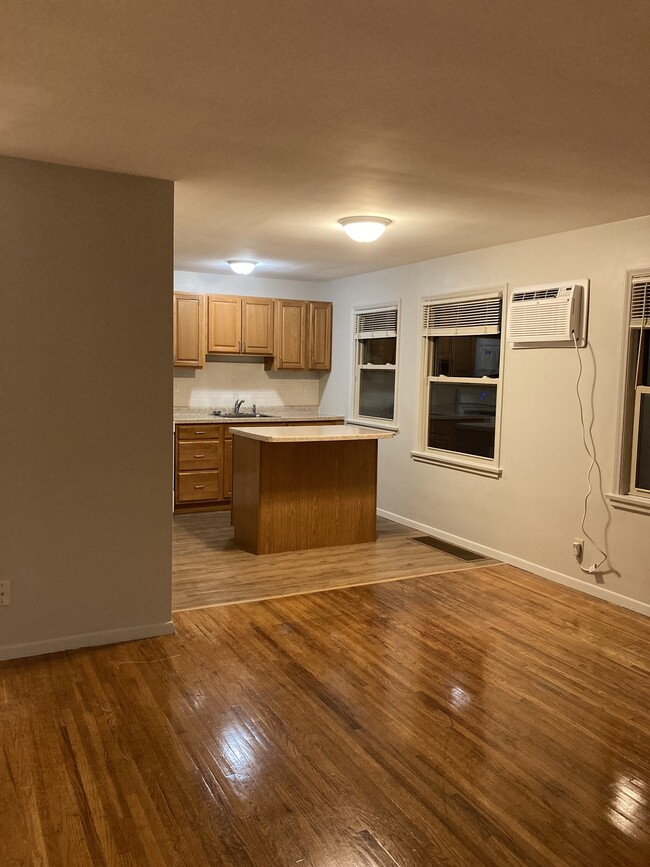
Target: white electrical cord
{"x":591,"y":454}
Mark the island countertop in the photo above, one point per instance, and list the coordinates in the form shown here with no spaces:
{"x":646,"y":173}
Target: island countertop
{"x":311,"y":433}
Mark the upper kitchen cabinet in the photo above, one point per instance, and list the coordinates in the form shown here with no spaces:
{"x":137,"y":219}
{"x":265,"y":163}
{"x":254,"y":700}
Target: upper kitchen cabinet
{"x":240,"y":326}
{"x":189,"y":330}
{"x":291,"y":329}
{"x":320,"y":335}
{"x":303,"y":335}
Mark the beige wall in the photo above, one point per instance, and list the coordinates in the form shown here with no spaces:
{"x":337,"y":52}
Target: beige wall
{"x":530,"y":515}
{"x":85,"y":402}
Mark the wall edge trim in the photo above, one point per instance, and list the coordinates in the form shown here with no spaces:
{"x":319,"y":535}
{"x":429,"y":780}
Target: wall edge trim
{"x":87,"y":639}
{"x":543,"y":572}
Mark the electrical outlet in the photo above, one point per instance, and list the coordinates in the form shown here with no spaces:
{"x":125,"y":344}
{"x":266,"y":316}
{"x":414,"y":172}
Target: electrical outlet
{"x":578,"y":548}
{"x":5,"y":592}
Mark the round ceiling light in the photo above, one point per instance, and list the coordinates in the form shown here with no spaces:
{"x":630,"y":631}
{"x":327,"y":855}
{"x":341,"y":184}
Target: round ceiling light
{"x":242,"y":266}
{"x":364,"y":229}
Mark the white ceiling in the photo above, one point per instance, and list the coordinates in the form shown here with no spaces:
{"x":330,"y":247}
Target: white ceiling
{"x":468,"y":123}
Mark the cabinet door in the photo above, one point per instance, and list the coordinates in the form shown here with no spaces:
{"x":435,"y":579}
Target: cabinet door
{"x":227,"y":469}
{"x":257,"y":326}
{"x":189,"y":332}
{"x":291,"y":335}
{"x":320,"y":335}
{"x":224,"y":324}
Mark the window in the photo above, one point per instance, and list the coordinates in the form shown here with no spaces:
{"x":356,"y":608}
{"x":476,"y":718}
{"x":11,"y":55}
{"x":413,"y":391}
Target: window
{"x":461,"y":385}
{"x":637,"y":393}
{"x":375,"y":374}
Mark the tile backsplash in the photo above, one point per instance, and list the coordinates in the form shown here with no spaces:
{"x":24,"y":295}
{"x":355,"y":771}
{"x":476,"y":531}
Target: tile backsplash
{"x":220,"y":383}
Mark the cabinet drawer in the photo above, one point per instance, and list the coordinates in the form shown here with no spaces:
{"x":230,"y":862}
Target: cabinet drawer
{"x":198,"y":431}
{"x":194,"y":487}
{"x":199,"y":455}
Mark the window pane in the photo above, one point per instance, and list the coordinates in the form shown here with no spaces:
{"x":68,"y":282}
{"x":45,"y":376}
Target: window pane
{"x":377,"y":393}
{"x":643,"y":447}
{"x":462,"y":418}
{"x":644,"y":374}
{"x":378,"y":350}
{"x":463,"y":355}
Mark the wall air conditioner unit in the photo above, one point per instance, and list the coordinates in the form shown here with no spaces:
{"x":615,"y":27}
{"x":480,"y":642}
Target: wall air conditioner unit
{"x":548,"y":315}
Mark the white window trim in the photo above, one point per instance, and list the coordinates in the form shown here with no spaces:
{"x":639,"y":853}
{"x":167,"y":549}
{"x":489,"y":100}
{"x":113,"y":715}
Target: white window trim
{"x":622,"y":497}
{"x":366,"y":420}
{"x":489,"y":467}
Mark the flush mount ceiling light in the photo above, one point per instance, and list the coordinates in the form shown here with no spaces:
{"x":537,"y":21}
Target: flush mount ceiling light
{"x":242,"y":266}
{"x":364,"y":229}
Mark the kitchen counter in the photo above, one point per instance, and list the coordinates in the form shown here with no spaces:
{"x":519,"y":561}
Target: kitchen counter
{"x":312,"y":433}
{"x":304,"y":486}
{"x":288,"y":414}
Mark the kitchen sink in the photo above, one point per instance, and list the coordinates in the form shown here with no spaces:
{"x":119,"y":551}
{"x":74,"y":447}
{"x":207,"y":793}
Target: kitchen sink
{"x":235,"y":415}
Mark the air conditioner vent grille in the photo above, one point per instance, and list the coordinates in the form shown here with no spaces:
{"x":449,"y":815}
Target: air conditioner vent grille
{"x":536,"y":294}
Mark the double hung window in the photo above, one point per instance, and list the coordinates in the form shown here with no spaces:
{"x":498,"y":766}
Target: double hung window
{"x":462,"y":375}
{"x":637,"y":397}
{"x":375,"y":380}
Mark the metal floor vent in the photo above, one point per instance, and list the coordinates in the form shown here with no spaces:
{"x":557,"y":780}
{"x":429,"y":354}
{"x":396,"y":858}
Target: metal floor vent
{"x":454,"y":550}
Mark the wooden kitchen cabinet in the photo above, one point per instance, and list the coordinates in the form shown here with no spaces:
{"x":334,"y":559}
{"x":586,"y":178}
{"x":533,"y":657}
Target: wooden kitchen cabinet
{"x":320,"y":335}
{"x":227,"y":467}
{"x":198,"y":477}
{"x":240,"y":325}
{"x":189,"y":330}
{"x":303,"y":335}
{"x":203,"y":463}
{"x":291,"y":335}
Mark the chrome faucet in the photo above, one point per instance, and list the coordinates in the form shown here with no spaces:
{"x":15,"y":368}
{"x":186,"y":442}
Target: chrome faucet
{"x":238,"y":404}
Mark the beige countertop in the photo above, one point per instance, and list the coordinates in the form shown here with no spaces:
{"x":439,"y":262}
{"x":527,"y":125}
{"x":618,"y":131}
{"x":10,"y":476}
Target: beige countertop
{"x":206,"y":417}
{"x":312,"y":433}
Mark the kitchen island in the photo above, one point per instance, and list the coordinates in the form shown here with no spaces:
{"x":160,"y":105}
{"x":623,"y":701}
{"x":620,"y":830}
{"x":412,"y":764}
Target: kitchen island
{"x":304,"y":486}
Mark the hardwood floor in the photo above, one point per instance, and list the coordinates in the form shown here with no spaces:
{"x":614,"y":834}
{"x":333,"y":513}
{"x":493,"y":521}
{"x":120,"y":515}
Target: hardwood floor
{"x":474,"y":717}
{"x":200,"y":577}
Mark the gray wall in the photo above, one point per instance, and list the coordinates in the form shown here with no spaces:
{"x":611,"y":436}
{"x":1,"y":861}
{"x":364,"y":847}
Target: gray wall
{"x":85,"y":404}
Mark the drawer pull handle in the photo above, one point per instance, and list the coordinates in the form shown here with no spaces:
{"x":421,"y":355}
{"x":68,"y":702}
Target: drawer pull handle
{"x":199,"y":433}
{"x":199,"y":487}
{"x":199,"y":456}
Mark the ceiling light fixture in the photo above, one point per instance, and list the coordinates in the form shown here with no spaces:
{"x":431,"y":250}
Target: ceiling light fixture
{"x":364,"y":229}
{"x":242,"y":266}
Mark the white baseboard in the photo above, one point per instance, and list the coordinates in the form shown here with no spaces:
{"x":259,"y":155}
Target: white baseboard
{"x":88,"y":639}
{"x":536,"y":569}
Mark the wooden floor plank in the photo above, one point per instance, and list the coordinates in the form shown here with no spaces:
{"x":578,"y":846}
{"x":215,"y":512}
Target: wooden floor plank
{"x":209,"y":568}
{"x":477,"y":717}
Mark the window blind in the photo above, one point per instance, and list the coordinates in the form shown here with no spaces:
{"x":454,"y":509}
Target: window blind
{"x":640,"y":309}
{"x":469,"y":316}
{"x":376,"y":323}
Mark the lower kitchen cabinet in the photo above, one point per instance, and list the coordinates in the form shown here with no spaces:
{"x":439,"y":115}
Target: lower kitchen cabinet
{"x":203,"y":463}
{"x":227,"y":466}
{"x":198,"y":476}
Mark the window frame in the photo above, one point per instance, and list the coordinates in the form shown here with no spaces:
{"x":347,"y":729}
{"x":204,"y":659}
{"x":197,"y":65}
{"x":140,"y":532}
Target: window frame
{"x":490,"y":467}
{"x":626,"y":495}
{"x":355,"y":390}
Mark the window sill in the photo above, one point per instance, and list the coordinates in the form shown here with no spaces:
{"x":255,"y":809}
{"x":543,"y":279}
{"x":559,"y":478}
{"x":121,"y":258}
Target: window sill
{"x":453,"y":463}
{"x":630,"y":503}
{"x":374,"y":424}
